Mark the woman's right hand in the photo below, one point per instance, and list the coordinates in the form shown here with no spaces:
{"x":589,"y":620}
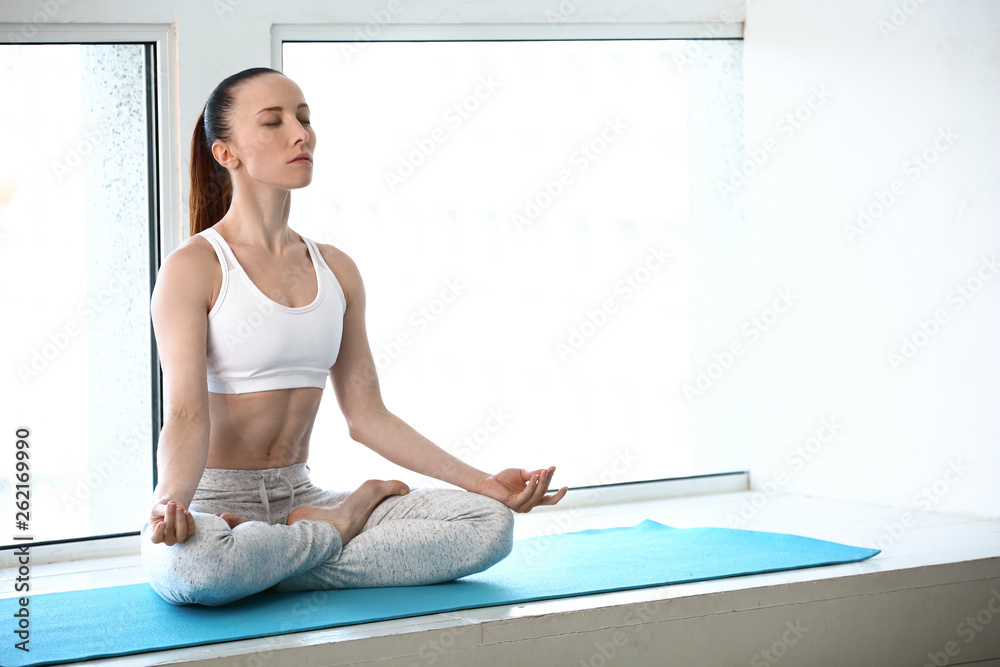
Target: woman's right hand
{"x":170,"y":523}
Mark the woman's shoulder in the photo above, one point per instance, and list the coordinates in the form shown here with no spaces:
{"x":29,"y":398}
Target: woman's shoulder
{"x":343,"y":267}
{"x":195,"y":252}
{"x":334,"y":255}
{"x":193,"y":262}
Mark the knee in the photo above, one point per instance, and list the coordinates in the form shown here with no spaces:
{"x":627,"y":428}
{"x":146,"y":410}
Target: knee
{"x":189,"y":572}
{"x":504,"y":518}
{"x":498,"y":524}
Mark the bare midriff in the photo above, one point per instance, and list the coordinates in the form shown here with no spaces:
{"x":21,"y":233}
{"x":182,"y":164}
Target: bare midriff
{"x":265,"y":429}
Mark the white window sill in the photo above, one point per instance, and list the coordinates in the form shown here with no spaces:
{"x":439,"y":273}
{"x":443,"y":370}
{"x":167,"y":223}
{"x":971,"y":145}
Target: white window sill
{"x":891,"y":609}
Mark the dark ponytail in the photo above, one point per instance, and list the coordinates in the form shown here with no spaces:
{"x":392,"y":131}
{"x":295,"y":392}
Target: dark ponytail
{"x":211,"y":188}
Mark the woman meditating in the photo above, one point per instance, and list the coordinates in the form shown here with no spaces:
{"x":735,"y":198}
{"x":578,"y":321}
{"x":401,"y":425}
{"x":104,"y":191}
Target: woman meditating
{"x":250,"y":318}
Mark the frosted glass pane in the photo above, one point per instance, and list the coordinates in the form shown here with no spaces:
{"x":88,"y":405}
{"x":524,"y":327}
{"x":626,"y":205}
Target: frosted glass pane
{"x":510,"y":205}
{"x":75,"y":281}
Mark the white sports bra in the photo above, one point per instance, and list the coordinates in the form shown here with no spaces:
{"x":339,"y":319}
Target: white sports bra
{"x":256,"y":344}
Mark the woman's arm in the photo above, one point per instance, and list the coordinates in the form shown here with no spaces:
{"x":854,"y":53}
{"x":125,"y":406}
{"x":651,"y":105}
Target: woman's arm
{"x":355,"y":382}
{"x":179,"y":309}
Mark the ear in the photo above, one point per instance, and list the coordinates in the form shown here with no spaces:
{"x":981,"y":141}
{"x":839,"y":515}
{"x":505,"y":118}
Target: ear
{"x":225,"y":156}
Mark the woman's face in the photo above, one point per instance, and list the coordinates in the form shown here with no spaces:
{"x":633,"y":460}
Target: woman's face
{"x":269,"y":132}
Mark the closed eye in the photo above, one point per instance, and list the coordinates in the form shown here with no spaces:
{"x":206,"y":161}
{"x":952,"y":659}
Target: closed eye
{"x":304,"y":121}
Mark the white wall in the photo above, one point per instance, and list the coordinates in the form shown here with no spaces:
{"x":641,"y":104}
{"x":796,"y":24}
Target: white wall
{"x":898,"y":82}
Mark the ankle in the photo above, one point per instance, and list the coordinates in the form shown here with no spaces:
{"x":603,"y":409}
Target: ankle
{"x":297,"y":514}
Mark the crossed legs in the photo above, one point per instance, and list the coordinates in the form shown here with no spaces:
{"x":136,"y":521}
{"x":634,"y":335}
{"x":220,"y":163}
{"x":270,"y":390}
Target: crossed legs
{"x":371,"y":537}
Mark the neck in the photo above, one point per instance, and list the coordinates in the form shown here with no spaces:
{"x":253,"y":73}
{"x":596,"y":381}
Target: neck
{"x":259,"y":217}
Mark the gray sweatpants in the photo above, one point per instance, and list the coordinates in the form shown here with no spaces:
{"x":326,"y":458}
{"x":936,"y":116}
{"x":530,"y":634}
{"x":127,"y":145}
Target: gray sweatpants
{"x":427,"y":536}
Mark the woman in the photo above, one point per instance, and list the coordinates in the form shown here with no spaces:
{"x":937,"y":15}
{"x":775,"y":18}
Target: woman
{"x":249,"y":319}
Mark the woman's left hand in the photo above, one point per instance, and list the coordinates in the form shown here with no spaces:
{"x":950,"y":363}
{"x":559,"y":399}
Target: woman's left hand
{"x":521,"y":490}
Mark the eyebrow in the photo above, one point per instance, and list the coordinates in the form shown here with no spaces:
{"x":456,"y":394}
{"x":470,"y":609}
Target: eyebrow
{"x":303,"y":105}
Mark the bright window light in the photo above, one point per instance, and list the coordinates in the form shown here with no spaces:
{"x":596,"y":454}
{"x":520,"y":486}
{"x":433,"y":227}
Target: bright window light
{"x":75,"y":284}
{"x":542,"y":240}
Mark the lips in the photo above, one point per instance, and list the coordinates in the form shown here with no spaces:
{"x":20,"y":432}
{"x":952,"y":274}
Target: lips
{"x":303,"y":157}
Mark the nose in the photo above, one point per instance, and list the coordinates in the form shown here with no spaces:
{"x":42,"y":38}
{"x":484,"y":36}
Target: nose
{"x":300,"y":133}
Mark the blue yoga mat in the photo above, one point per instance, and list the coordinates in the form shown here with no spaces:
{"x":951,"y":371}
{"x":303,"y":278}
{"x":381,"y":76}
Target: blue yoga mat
{"x":120,"y":620}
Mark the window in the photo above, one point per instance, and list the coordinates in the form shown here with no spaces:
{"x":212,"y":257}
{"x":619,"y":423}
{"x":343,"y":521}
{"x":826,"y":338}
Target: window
{"x":543,"y":241}
{"x":77,"y":248}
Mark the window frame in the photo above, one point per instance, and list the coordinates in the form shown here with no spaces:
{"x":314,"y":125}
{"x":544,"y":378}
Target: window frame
{"x":164,"y":214}
{"x":386,"y":31}
{"x":382,"y":30}
{"x":167,"y":211}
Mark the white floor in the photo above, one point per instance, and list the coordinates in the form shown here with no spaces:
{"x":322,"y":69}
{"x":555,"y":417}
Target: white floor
{"x":906,"y":606}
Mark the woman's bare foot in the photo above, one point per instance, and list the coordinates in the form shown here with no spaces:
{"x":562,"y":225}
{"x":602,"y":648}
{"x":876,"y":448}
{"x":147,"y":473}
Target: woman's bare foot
{"x":349,"y":516}
{"x":231,"y":519}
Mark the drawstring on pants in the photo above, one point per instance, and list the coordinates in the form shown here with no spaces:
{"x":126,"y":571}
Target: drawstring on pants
{"x":263,"y":495}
